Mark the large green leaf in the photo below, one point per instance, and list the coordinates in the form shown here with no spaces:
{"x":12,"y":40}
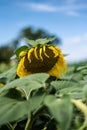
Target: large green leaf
{"x":13,"y":109}
{"x":61,"y":109}
{"x":27,"y":83}
{"x":27,"y":89}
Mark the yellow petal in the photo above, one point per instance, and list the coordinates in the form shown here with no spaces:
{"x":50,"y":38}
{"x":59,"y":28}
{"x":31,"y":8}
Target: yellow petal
{"x":56,"y":53}
{"x":41,"y":54}
{"x":35,"y":53}
{"x":21,"y":70}
{"x":29,"y":54}
{"x":44,"y":48}
{"x":22,"y":53}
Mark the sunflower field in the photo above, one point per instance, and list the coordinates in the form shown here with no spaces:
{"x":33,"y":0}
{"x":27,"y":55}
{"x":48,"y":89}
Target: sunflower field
{"x":41,"y":92}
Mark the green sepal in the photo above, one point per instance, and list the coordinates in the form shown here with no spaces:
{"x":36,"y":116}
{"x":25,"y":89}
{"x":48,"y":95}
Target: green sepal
{"x":22,"y":48}
{"x":42,"y":41}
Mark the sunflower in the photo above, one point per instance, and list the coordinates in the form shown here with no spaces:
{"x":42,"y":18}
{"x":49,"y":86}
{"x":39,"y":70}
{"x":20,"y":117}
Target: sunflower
{"x":45,"y":58}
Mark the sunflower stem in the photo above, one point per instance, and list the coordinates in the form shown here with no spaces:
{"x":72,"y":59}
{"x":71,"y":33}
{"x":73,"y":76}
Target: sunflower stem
{"x":10,"y":127}
{"x":32,"y":118}
{"x":28,"y":123}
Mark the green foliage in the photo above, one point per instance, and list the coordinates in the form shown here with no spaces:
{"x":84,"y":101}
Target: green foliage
{"x":61,"y":110}
{"x":41,"y":102}
{"x":27,"y":84}
{"x":14,"y":108}
{"x":5,"y":53}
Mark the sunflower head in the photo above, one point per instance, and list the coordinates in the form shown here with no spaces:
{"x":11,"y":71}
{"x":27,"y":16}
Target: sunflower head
{"x":41,"y":58}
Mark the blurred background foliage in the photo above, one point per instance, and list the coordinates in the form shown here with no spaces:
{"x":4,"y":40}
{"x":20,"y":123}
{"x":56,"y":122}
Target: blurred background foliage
{"x":5,"y":54}
{"x":29,"y":32}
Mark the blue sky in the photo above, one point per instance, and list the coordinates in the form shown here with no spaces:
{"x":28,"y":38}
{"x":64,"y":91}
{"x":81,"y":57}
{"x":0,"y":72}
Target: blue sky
{"x":65,"y":18}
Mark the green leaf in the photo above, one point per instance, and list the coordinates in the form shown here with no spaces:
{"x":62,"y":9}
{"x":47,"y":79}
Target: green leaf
{"x":81,"y":68}
{"x":39,"y":41}
{"x":85,"y":90}
{"x":85,"y":77}
{"x":12,"y":109}
{"x":61,"y":109}
{"x":32,"y":85}
{"x":27,"y":83}
{"x":22,"y":48}
{"x":9,"y":74}
{"x":77,"y":76}
{"x":74,"y":89}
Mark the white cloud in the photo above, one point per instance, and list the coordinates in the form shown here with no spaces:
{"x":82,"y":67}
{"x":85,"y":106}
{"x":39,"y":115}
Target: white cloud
{"x":78,"y":54}
{"x":38,"y":6}
{"x":76,"y":47}
{"x":76,"y":40}
{"x":73,"y":13}
{"x":42,"y":7}
{"x":70,"y":9}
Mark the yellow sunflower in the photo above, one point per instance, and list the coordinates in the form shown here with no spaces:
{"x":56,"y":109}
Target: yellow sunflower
{"x":46,"y":58}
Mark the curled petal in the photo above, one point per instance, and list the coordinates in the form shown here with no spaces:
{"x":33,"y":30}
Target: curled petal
{"x":44,"y":48}
{"x":41,"y":54}
{"x":35,"y":53}
{"x":29,"y":54}
{"x":22,"y":54}
{"x":54,"y":51}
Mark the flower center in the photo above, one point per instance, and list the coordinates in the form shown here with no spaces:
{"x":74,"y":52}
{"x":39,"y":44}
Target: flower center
{"x":43,"y":64}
